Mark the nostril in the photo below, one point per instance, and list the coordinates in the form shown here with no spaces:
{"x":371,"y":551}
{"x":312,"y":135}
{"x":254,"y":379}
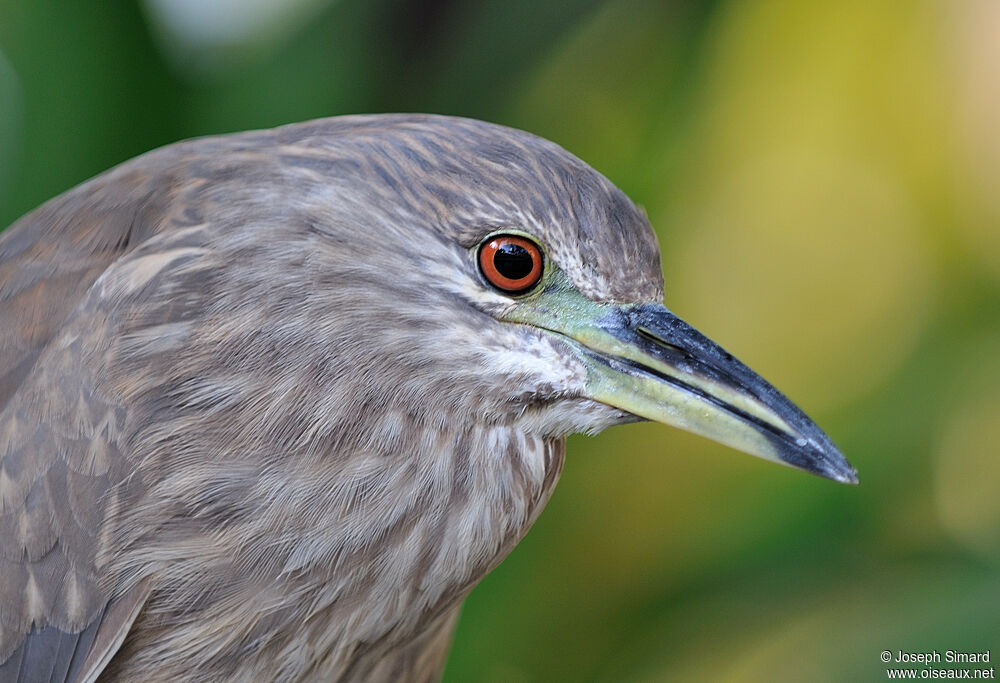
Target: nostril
{"x":662,"y":343}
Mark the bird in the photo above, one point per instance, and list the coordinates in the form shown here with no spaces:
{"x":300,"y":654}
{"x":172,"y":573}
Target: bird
{"x":273,"y":402}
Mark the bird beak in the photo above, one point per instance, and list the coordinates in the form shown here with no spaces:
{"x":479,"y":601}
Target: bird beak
{"x":645,"y":360}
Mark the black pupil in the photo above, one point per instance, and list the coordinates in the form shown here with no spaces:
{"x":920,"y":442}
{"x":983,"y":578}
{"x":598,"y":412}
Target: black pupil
{"x":513,"y":261}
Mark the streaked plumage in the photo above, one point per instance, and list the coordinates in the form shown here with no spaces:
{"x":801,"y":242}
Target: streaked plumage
{"x":260,"y":416}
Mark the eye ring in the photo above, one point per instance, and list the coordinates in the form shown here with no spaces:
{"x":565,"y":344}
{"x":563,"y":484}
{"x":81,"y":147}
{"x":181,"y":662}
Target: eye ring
{"x":511,"y":263}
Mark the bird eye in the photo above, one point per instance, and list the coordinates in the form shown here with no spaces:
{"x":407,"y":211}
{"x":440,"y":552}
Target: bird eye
{"x":511,"y":263}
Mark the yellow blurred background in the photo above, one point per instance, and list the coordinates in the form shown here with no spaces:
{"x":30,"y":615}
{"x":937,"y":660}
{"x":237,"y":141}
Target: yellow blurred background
{"x":824,"y":178}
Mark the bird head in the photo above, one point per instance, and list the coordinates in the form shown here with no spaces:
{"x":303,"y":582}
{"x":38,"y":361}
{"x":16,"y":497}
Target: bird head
{"x":497,"y":279}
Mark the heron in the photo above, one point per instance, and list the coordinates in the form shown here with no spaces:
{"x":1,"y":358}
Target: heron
{"x":272,"y":403}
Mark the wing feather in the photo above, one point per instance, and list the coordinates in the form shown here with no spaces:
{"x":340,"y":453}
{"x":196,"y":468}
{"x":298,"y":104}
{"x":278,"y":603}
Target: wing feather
{"x":60,"y":455}
{"x":65,"y":465}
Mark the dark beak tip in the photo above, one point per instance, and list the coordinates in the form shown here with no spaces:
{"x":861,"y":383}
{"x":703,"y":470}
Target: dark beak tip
{"x":825,"y":460}
{"x":837,"y":469}
{"x":848,"y":477}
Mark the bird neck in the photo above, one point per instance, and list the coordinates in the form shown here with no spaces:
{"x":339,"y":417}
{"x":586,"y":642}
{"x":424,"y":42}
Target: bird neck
{"x":406,"y":542}
{"x":381,"y":547}
{"x":433,"y":531}
{"x":421,"y":528}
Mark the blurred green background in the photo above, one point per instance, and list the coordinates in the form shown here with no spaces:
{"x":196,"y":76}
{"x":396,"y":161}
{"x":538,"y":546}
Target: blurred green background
{"x":825,"y":181}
